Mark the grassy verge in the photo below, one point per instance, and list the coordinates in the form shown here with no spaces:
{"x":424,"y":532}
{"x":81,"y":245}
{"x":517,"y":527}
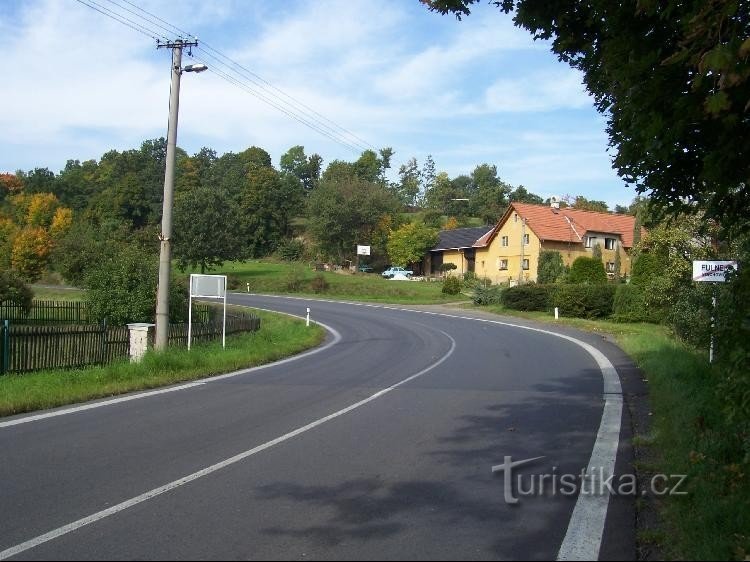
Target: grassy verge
{"x":279,"y":337}
{"x":274,"y":277}
{"x":50,"y":293}
{"x":689,"y":435}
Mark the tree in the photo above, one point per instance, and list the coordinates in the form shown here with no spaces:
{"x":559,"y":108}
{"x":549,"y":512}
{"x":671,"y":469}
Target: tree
{"x":489,"y":195}
{"x":9,"y":185}
{"x":673,"y":79}
{"x":306,"y":170}
{"x":8,"y":232}
{"x":521,"y":195}
{"x":206,"y":232}
{"x":347,"y":211}
{"x":13,"y":290}
{"x":268,"y":203}
{"x":583,"y":204}
{"x":31,"y":251}
{"x":596,"y":252}
{"x":410,"y":182}
{"x":551,"y":267}
{"x":410,"y":243}
{"x":122,"y":288}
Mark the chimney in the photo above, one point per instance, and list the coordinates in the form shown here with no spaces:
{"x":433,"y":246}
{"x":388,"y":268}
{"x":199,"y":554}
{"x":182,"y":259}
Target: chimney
{"x":555,"y":203}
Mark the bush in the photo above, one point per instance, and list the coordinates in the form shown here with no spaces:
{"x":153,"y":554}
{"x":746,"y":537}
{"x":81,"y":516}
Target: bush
{"x":646,"y":267}
{"x":587,"y":271}
{"x":451,"y":285}
{"x":319,"y":284}
{"x":291,"y":250}
{"x":487,"y":295}
{"x":690,"y":316}
{"x":14,"y":290}
{"x":295,"y":279}
{"x":584,"y":301}
{"x":445,"y":267}
{"x":630,"y":306}
{"x":528,"y":297}
{"x":122,"y":289}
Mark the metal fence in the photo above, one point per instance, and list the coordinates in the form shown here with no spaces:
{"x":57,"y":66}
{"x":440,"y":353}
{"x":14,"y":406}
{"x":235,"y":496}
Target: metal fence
{"x":33,"y":347}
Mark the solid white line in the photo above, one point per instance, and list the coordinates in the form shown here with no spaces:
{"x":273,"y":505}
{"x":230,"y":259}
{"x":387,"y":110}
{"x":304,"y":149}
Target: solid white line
{"x":46,"y":537}
{"x":148,"y":394}
{"x":585,"y":532}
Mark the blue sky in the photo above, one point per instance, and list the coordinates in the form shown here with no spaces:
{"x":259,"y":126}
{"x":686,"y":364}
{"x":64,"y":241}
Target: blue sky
{"x":78,"y":84}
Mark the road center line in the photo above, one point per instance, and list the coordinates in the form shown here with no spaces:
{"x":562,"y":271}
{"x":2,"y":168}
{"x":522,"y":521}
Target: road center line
{"x":64,"y":530}
{"x":583,"y":538}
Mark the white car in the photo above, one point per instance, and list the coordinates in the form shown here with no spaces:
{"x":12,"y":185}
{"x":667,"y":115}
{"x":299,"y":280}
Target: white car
{"x":393,"y":271}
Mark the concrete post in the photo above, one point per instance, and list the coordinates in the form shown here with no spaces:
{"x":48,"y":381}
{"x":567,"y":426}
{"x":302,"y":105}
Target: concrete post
{"x":140,"y":337}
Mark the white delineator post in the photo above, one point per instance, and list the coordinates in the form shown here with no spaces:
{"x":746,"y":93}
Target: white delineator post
{"x":307,"y":321}
{"x":140,"y":334}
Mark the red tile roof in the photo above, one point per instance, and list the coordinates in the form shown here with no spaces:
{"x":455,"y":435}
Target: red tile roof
{"x":566,"y":225}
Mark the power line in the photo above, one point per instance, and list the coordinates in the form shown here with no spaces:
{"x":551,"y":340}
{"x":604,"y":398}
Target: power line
{"x":248,"y":81}
{"x":125,"y":21}
{"x":255,"y":77}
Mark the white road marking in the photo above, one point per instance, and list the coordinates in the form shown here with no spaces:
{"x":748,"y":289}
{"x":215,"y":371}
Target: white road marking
{"x":65,"y":529}
{"x":149,"y":394}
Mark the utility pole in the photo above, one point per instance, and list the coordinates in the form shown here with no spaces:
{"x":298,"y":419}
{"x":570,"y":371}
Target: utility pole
{"x":165,"y":253}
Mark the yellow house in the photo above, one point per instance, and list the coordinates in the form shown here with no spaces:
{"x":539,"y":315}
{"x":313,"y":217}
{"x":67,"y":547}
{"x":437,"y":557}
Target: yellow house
{"x":510,"y":251}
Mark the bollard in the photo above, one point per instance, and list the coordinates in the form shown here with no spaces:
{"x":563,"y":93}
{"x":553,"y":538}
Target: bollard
{"x":557,"y":313}
{"x":307,"y":321}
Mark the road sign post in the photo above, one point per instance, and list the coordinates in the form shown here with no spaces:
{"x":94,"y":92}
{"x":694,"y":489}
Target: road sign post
{"x":712,"y":271}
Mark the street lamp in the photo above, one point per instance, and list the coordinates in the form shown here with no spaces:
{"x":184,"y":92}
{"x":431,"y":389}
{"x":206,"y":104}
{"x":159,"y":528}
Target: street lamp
{"x":165,"y":253}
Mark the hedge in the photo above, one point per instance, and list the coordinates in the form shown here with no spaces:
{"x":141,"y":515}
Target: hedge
{"x":588,"y":271}
{"x":584,"y":301}
{"x":630,"y":306}
{"x":528,"y":297}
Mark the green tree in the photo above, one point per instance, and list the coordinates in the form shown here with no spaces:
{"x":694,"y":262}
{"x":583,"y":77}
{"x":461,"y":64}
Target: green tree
{"x":551,"y":268}
{"x":596,"y":252}
{"x":122,"y":288}
{"x":206,"y":225}
{"x":348,"y":211}
{"x":692,"y":153}
{"x":410,"y":182}
{"x":268,"y":203}
{"x":521,"y":195}
{"x":306,"y":169}
{"x":489,"y":195}
{"x":410,"y":243}
{"x":13,"y":290}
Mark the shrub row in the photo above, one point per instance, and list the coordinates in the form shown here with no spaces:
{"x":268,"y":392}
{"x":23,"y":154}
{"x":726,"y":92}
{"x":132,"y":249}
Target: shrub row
{"x":582,"y":301}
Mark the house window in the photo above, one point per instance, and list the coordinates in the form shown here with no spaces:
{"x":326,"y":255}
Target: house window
{"x":609,"y":243}
{"x":502,"y":264}
{"x":526,"y":264}
{"x":505,"y":241}
{"x":515,"y":217}
{"x":590,"y":241}
{"x":525,"y":239}
{"x":610,"y":267}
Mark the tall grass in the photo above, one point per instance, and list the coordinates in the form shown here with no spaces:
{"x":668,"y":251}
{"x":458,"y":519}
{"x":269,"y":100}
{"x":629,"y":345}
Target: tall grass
{"x":279,"y":337}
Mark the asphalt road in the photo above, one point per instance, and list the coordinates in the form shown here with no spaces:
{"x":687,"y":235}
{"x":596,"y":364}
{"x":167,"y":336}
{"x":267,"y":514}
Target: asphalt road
{"x":378,"y":446}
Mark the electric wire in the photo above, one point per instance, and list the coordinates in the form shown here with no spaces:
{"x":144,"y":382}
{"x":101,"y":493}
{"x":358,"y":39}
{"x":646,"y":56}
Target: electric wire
{"x":245,"y":79}
{"x":256,"y":78}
